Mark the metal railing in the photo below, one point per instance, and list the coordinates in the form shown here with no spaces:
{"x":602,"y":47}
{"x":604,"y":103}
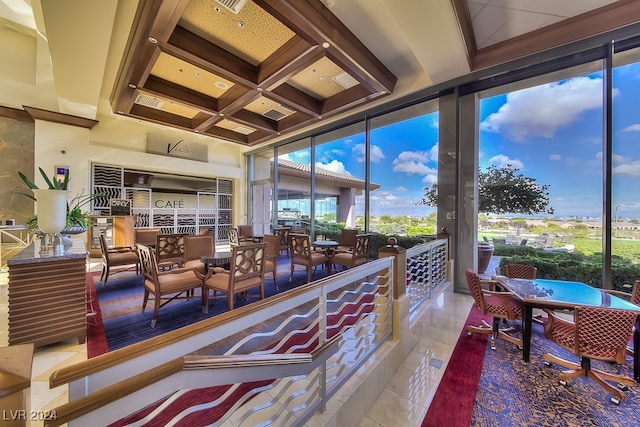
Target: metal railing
{"x":426,"y":270}
{"x":352,"y":309}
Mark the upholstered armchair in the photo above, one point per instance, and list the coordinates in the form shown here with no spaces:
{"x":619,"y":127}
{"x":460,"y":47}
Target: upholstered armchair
{"x":357,"y":256}
{"x":499,"y":305}
{"x":116,"y":257}
{"x":170,"y":250}
{"x":246,"y":271}
{"x":164,"y":286}
{"x":303,"y":254}
{"x":196,"y":247}
{"x":597,"y":333}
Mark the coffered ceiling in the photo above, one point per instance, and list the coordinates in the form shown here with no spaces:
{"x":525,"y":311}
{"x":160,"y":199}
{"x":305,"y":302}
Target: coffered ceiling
{"x":244,"y":71}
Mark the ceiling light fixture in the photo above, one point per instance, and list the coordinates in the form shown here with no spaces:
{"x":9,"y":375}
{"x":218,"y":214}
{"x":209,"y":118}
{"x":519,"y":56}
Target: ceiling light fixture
{"x":259,"y":89}
{"x":221,"y":85}
{"x":132,"y":86}
{"x":240,"y":24}
{"x":326,"y":45}
{"x":153,"y":40}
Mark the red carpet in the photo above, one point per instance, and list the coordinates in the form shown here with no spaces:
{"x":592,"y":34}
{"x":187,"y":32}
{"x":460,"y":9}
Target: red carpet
{"x":454,"y":399}
{"x":96,"y":337}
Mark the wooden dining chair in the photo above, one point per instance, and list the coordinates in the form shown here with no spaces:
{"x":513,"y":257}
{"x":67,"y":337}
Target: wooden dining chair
{"x":245,"y":272}
{"x":195,"y":247}
{"x":358,"y":256}
{"x":165,"y":286}
{"x":271,"y":256}
{"x":347,"y":240}
{"x":283,"y":235}
{"x":303,"y":254}
{"x":117,"y":256}
{"x":597,"y":333}
{"x":498,"y":305}
{"x":170,"y":250}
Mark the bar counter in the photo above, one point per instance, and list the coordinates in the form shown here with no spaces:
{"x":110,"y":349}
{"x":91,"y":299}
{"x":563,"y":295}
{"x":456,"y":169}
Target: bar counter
{"x":47,"y":295}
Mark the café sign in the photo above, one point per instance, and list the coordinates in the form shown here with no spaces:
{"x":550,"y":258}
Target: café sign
{"x":177,"y":147}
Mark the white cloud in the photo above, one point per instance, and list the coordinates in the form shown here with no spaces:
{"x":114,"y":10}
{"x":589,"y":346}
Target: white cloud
{"x":501,"y":161}
{"x":334,"y":166}
{"x":631,"y":169}
{"x":430,"y":179}
{"x":615,"y":158}
{"x":383,"y":196}
{"x":300,"y":156}
{"x":541,"y":110}
{"x":632,"y":128}
{"x":555,"y":157}
{"x":376,"y":153}
{"x":400,"y":189}
{"x":413,"y":162}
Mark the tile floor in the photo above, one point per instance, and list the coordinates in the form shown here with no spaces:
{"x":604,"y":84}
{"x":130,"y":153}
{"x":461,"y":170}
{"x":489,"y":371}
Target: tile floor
{"x":403,"y":402}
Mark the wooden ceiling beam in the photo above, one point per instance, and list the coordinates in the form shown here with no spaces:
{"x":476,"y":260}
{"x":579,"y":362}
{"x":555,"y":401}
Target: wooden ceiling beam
{"x":296,"y":99}
{"x":181,"y":94}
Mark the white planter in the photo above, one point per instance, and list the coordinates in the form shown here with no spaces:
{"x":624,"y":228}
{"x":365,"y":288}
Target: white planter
{"x":51,"y":209}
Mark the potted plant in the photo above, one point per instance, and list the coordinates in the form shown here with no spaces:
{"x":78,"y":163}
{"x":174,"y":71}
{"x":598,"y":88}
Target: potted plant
{"x":77,"y":219}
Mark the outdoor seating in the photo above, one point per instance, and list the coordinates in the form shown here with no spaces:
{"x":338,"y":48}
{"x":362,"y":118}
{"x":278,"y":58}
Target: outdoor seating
{"x":116,"y":257}
{"x":164,"y":286}
{"x":520,"y":271}
{"x":245,"y":272}
{"x":359,"y":255}
{"x":499,"y":305}
{"x":303,"y":254}
{"x":597,"y":333}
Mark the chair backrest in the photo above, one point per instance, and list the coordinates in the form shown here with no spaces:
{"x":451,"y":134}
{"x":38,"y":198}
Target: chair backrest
{"x":148,"y":263}
{"x":635,"y":293}
{"x":234,"y":237}
{"x":283,"y":235}
{"x":361,"y":248}
{"x":499,"y":241}
{"x":196,"y":247}
{"x":520,"y":271}
{"x":523,"y":242}
{"x":245,"y":232}
{"x":300,"y":246}
{"x":247,"y":262}
{"x":272,"y":247}
{"x":104,"y":248}
{"x":348,"y":237}
{"x":169,"y":247}
{"x":475,"y":288}
{"x":603,"y":333}
{"x":147,"y":236}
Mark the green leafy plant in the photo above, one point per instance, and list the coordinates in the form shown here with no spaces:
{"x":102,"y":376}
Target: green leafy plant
{"x":76,"y":216}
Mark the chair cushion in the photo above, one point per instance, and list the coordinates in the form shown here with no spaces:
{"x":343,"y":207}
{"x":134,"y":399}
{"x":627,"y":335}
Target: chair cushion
{"x":564,"y":335}
{"x":175,"y":282}
{"x":123,"y":258}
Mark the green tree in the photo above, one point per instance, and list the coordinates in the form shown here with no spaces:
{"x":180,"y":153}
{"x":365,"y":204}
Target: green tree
{"x":503,"y":190}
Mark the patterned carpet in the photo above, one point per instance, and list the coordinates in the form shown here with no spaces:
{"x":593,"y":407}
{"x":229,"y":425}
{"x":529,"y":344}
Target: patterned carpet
{"x":119,"y":321}
{"x":514,"y":393}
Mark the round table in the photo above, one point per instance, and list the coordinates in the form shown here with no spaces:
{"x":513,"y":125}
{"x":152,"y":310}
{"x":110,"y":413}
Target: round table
{"x":217,"y":259}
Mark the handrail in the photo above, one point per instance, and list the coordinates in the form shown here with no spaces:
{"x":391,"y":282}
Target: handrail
{"x":85,"y":405}
{"x":116,"y":357}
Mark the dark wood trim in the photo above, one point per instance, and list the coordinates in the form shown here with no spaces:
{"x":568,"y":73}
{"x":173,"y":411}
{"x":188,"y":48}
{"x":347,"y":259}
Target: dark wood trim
{"x":55,"y":117}
{"x":597,"y":21}
{"x":465,"y":25}
{"x":14,"y":113}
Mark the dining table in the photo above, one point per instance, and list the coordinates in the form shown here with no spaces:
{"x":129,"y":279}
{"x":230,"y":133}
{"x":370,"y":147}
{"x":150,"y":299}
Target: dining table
{"x":216,"y":259}
{"x":564,"y":295}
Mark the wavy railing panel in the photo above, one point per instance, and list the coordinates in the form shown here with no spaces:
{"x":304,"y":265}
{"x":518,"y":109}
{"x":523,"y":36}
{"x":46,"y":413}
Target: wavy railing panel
{"x":426,"y":270}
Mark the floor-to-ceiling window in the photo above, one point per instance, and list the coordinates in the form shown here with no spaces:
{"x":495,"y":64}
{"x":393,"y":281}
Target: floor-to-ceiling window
{"x":340,"y":179}
{"x":404,"y":161}
{"x":293,"y":196}
{"x":549,"y":132}
{"x":625,"y":219}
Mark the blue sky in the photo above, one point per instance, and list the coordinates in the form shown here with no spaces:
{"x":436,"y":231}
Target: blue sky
{"x":551,"y":132}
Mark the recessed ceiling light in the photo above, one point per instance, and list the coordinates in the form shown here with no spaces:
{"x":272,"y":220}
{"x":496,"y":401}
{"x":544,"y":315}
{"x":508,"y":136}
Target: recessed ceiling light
{"x":326,"y":45}
{"x":259,"y":89}
{"x":196,"y":74}
{"x":240,"y":24}
{"x":217,"y":9}
{"x":132,"y":86}
{"x":221,"y":114}
{"x":221,"y":85}
{"x":153,"y":40}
